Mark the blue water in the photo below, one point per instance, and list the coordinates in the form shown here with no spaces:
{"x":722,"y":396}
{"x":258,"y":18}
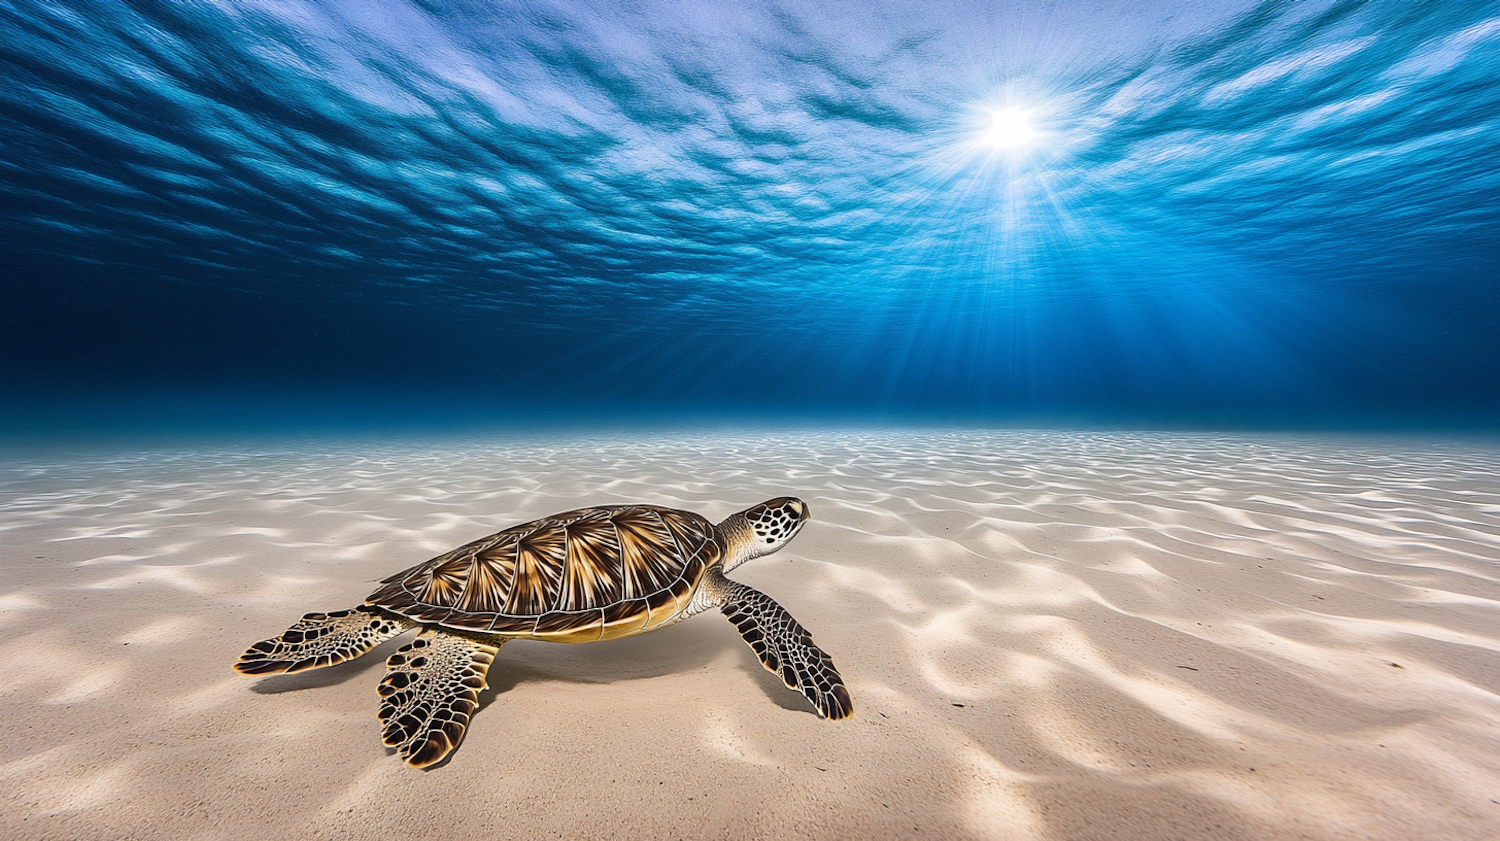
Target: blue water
{"x":1226,"y":214}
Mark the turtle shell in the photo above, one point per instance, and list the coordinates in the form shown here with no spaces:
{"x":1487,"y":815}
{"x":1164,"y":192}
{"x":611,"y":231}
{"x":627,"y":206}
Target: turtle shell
{"x":590,"y":574}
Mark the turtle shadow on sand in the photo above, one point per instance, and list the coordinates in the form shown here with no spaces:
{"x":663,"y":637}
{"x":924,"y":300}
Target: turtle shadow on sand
{"x":671,"y":651}
{"x":775,"y":690}
{"x":675,"y":651}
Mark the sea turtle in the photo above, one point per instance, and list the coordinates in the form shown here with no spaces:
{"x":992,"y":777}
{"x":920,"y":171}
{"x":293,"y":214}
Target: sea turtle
{"x":580,"y":576}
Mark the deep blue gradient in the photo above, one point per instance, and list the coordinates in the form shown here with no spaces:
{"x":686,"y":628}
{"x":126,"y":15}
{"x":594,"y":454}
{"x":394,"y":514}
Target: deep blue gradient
{"x":1232,"y":214}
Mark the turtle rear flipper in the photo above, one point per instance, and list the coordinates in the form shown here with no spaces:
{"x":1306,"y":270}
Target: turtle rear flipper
{"x":785,"y":648}
{"x":321,"y":639}
{"x":430,"y":693}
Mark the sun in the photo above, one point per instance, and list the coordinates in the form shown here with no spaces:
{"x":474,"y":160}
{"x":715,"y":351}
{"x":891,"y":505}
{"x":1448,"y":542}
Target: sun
{"x":1009,"y":129}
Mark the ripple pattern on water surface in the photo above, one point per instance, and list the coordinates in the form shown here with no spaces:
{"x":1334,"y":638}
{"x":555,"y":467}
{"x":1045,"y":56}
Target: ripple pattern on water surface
{"x":1224,"y":212}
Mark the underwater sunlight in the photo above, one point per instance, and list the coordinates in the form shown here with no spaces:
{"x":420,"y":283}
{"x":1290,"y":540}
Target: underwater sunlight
{"x":1233,"y":214}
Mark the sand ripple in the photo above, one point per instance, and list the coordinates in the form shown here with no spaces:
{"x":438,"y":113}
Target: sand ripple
{"x":1047,"y":635}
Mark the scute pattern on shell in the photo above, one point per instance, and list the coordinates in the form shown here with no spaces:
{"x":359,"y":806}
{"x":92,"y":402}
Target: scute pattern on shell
{"x":612,"y":569}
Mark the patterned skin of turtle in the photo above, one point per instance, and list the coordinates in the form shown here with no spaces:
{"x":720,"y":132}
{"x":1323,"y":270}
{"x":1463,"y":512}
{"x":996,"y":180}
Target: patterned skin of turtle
{"x":580,"y":576}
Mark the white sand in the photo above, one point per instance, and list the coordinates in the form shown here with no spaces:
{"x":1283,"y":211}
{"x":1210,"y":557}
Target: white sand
{"x":1047,"y":635}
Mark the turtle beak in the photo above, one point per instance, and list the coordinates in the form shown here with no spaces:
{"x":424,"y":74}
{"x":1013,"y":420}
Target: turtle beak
{"x":800,"y":509}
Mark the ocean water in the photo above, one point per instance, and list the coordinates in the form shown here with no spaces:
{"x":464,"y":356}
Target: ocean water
{"x":343,"y":214}
{"x":1070,"y":320}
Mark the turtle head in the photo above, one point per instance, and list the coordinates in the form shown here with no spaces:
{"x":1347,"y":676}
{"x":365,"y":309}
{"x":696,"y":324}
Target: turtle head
{"x":761,"y":529}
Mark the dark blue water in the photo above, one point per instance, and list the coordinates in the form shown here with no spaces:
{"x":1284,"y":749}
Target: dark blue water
{"x":351,"y":213}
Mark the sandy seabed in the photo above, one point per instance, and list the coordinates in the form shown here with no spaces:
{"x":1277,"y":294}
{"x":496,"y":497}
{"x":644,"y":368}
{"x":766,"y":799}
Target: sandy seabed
{"x":1047,"y":636}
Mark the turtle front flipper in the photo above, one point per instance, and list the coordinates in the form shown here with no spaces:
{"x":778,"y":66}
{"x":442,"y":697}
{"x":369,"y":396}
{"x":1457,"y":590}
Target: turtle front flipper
{"x":321,"y":639}
{"x":786,"y":648}
{"x":431,"y":691}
